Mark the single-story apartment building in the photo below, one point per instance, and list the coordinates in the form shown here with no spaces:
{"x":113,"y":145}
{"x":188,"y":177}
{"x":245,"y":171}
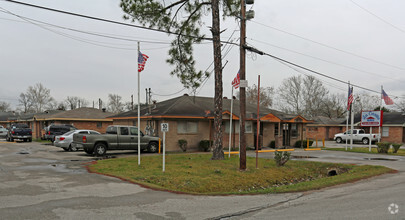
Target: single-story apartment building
{"x":192,"y":118}
{"x":392,"y":129}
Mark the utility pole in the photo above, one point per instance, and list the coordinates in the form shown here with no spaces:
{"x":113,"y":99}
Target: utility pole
{"x":132,"y":102}
{"x":242,"y":73}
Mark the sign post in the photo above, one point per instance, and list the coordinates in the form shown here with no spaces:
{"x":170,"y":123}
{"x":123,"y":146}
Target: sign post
{"x":164,"y":128}
{"x":371,"y":119}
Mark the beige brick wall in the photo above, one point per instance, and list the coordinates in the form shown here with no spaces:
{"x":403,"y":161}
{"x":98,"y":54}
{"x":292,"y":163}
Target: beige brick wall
{"x":395,"y":135}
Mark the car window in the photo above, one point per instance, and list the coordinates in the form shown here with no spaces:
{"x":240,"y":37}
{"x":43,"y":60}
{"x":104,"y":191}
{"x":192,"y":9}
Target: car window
{"x":83,"y":132}
{"x":94,"y":132}
{"x":112,"y":130}
{"x":361,"y":132}
{"x":355,"y":132}
{"x":124,"y":131}
{"x":134,"y":131}
{"x":69,"y":133}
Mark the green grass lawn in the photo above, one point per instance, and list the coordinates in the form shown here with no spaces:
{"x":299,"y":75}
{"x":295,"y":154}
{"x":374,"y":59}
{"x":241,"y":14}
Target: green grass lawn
{"x":401,"y":152}
{"x":197,"y":174}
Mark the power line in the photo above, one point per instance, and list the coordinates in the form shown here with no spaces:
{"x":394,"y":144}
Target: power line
{"x":327,"y":61}
{"x":330,"y":47}
{"x":110,"y":21}
{"x":378,"y":17}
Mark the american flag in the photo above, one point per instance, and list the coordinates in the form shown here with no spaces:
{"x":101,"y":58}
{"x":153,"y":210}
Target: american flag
{"x":350,"y":98}
{"x":236,"y":81}
{"x":387,"y":100}
{"x":142,"y":58}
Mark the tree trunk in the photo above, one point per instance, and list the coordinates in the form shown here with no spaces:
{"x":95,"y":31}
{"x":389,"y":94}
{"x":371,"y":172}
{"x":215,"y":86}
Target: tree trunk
{"x":218,"y":153}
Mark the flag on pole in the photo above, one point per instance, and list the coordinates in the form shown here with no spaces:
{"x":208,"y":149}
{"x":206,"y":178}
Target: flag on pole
{"x":387,"y":100}
{"x":236,"y":81}
{"x":142,"y":58}
{"x":350,"y":98}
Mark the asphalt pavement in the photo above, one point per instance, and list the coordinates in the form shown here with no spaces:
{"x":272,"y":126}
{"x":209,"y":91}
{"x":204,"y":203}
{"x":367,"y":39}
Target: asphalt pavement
{"x":44,"y":182}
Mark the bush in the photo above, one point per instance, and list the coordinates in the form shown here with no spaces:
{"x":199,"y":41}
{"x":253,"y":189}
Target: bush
{"x":183,"y":145}
{"x":304,"y":143}
{"x":281,"y":157}
{"x":205,"y":145}
{"x":383,"y":147}
{"x":396,"y":147}
{"x":272,"y":144}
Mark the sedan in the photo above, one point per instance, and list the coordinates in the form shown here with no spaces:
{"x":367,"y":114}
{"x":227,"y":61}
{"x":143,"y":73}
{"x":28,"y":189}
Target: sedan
{"x":65,"y":141}
{"x":3,"y":132}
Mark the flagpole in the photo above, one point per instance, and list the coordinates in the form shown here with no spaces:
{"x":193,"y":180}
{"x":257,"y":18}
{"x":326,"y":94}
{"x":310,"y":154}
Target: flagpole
{"x":352,"y":123}
{"x":139,"y":110}
{"x":379,"y":127}
{"x":230,"y":124}
{"x":347,"y":120}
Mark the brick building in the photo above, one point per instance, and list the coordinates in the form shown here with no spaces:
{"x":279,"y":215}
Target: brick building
{"x":192,"y":118}
{"x":81,"y":118}
{"x":392,"y":129}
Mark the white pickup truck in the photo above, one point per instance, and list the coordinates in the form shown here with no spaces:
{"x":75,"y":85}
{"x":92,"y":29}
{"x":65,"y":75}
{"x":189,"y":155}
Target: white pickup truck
{"x":359,"y":135}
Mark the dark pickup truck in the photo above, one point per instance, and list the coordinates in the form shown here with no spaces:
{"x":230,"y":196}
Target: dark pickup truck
{"x":117,"y":137}
{"x":20,"y":132}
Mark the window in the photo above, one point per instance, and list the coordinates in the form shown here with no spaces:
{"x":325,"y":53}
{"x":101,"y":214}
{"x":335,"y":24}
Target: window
{"x":235,"y":124}
{"x":248,"y":127}
{"x":294,"y":131}
{"x":354,"y":131}
{"x":83,"y":132}
{"x":385,"y":131}
{"x":99,"y":124}
{"x":133,"y":130}
{"x":276,"y":130}
{"x":94,"y":132}
{"x":112,"y":130}
{"x":124,"y":131}
{"x":361,"y":132}
{"x":187,"y":127}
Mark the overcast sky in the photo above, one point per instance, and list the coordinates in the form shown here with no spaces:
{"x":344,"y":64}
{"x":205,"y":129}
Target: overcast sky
{"x":368,"y":37}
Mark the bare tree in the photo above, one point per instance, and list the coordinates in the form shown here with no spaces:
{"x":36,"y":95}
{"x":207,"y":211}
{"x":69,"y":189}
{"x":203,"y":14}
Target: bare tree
{"x":290,"y":92}
{"x":334,"y":106}
{"x":302,"y":95}
{"x":4,"y":106}
{"x":266,"y":95}
{"x":114,"y":103}
{"x":399,"y":104}
{"x":366,"y":102}
{"x":39,"y":96}
{"x":25,"y":103}
{"x":74,"y":102}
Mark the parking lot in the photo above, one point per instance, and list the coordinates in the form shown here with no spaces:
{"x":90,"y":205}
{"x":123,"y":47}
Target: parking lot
{"x":40,"y":181}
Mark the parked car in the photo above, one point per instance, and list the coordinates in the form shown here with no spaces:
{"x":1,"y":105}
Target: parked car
{"x":359,"y":135}
{"x":65,"y":141}
{"x":117,"y":137}
{"x":3,"y":132}
{"x":54,"y":130}
{"x":20,"y":132}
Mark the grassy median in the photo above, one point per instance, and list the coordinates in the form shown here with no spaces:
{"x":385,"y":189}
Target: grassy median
{"x":401,"y":152}
{"x":197,"y":174}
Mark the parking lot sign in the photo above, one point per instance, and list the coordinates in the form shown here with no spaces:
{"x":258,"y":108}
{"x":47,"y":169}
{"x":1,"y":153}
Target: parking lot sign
{"x":165,"y":127}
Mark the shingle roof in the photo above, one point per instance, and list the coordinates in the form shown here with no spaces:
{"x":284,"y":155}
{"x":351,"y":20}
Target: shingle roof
{"x":79,"y":113}
{"x":196,"y":106}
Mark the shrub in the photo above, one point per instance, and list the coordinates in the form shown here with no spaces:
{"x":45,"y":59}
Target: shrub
{"x":272,"y":144}
{"x":304,"y":143}
{"x":396,"y":147}
{"x":183,"y":145}
{"x":205,"y":145}
{"x":281,"y":157}
{"x":383,"y":147}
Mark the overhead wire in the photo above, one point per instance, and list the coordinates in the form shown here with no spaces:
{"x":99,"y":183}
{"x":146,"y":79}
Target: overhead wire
{"x":327,"y":61}
{"x":378,"y":17}
{"x":330,"y":47}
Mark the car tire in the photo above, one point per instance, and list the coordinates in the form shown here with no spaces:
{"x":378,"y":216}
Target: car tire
{"x":365,"y":140}
{"x":66,"y":149}
{"x":338,"y":140}
{"x":88,"y":151}
{"x":11,"y":139}
{"x":29,"y":139}
{"x":153,"y":147}
{"x":72,"y":148}
{"x":25,"y":140}
{"x":100,"y":149}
